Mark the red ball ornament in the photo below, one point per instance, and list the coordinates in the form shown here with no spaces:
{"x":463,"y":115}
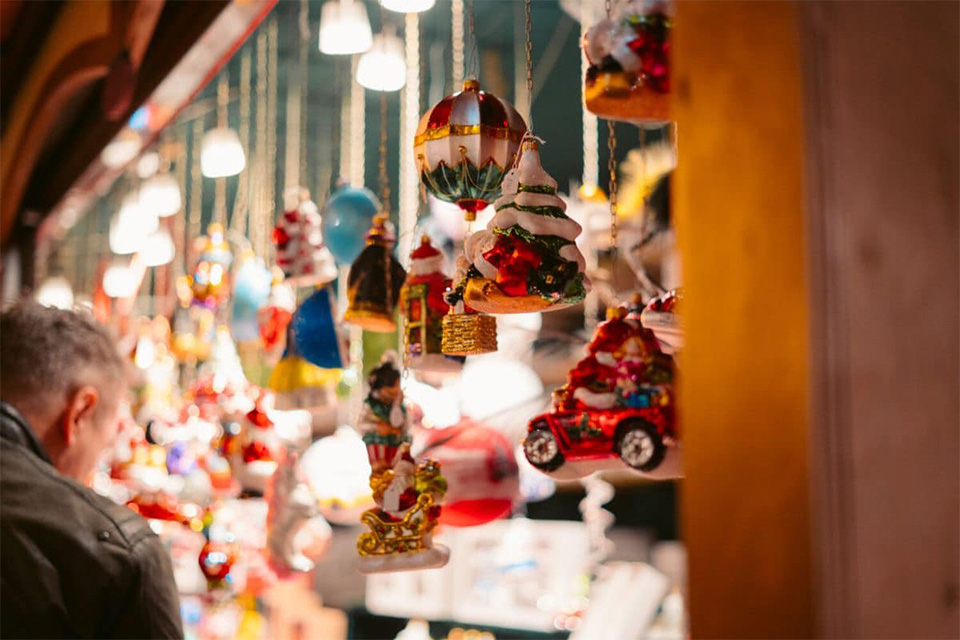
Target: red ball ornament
{"x":483,"y":480}
{"x":216,"y":560}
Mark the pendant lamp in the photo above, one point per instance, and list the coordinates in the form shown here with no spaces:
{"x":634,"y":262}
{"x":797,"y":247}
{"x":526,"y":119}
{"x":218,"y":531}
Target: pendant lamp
{"x":407,"y":6}
{"x":119,"y":281}
{"x":382,"y":68}
{"x":158,"y":249}
{"x":221,"y":153}
{"x":132,"y":226}
{"x":161,"y":195}
{"x":344,"y":28}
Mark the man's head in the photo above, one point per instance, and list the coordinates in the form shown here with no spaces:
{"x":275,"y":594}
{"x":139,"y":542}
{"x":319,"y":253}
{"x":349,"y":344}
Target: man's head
{"x":61,"y":371}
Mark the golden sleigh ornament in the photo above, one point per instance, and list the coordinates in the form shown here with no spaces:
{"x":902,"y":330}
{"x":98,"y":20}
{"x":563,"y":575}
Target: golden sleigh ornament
{"x":401,"y":526}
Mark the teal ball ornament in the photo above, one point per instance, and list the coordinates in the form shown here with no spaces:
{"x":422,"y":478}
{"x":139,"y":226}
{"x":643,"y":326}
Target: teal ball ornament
{"x":347,"y":217}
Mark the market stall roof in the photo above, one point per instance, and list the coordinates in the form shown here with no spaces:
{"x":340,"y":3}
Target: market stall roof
{"x":78,"y":71}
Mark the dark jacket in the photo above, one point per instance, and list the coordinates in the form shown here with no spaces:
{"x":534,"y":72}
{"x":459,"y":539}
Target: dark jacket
{"x":73,"y":564}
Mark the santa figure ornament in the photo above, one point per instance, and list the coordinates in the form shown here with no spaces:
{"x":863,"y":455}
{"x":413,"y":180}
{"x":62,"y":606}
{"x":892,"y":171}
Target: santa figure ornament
{"x":298,"y":238}
{"x":464,"y":146}
{"x":407,"y":494}
{"x":375,"y":279}
{"x":423,"y":305}
{"x":526,"y":259}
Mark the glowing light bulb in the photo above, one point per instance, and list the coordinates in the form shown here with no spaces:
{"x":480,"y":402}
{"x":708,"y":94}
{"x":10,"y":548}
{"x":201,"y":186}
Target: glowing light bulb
{"x":161,"y":195}
{"x":221,"y":153}
{"x":382,"y":68}
{"x":132,"y":226}
{"x":407,"y":6}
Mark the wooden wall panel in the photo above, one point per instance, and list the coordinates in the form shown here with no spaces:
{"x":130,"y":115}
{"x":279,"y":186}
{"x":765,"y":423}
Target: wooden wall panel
{"x":883,"y":105}
{"x":743,"y":375}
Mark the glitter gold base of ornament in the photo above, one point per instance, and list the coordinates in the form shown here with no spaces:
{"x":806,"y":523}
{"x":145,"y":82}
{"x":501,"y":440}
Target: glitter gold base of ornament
{"x":616,"y":95}
{"x":469,"y":334}
{"x":485,"y":296}
{"x":371,"y":319}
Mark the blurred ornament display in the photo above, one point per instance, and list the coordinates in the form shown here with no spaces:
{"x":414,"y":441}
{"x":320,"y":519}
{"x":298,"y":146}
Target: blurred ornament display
{"x":316,"y":333}
{"x":338,"y":472}
{"x":373,"y":286}
{"x":423,"y":306}
{"x":464,"y":146}
{"x":347,"y":216}
{"x":483,"y":482}
{"x":660,"y":315}
{"x":629,"y":54}
{"x":297,"y":535}
{"x":251,"y":290}
{"x":298,"y":239}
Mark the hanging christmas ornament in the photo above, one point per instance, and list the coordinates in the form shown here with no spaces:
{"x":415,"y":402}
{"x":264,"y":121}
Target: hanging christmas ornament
{"x":407,"y":494}
{"x":210,"y":280}
{"x":660,"y":316}
{"x":373,"y":286}
{"x":297,"y":535}
{"x":316,"y":333}
{"x":481,"y":471}
{"x":464,"y":146}
{"x":298,"y":384}
{"x":347,"y":215}
{"x":259,"y":451}
{"x":216,"y":561}
{"x":299,"y":242}
{"x":424,"y":308}
{"x":629,"y":54}
{"x":527,"y":258}
{"x":338,"y":473}
{"x":618,"y":402}
{"x":251,"y":290}
{"x":274,"y":318}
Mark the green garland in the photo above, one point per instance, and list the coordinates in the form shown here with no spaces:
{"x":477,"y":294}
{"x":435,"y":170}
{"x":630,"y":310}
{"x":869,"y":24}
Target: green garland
{"x":553,"y":244}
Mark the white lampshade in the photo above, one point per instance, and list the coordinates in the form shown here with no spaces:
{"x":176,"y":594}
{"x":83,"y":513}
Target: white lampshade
{"x":221,"y":153}
{"x":344,"y":28}
{"x":132,"y":226}
{"x":55,"y":292}
{"x":158,"y":249}
{"x":118,"y":281}
{"x":383,"y":68}
{"x":161,"y":195}
{"x":407,"y":6}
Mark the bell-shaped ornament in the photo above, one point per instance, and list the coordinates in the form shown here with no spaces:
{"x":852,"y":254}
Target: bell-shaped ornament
{"x":374,"y":282}
{"x":316,"y":334}
{"x":298,"y":384}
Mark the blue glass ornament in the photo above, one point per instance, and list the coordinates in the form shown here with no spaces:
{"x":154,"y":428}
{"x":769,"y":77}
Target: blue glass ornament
{"x":314,"y":331}
{"x":347,"y":216}
{"x":251,"y":288}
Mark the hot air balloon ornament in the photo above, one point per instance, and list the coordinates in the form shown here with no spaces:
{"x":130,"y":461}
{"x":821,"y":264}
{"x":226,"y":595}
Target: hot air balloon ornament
{"x":464,"y":146}
{"x":424,"y":307}
{"x":407,"y":494}
{"x":298,"y":239}
{"x":375,"y":279}
{"x":526,"y":260}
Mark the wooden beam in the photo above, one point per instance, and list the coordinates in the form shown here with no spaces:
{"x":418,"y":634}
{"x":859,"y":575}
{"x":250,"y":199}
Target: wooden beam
{"x":743,"y":372}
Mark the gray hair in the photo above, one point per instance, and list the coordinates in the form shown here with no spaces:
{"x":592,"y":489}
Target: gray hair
{"x":47,"y":354}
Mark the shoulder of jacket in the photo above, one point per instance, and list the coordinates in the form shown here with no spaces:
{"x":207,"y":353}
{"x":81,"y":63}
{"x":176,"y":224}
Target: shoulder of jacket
{"x":97,"y":514}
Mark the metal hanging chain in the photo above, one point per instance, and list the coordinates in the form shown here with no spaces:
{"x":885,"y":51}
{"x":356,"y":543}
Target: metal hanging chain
{"x":223,"y":100}
{"x":528,"y":5}
{"x":258,"y":220}
{"x":196,"y":190}
{"x":241,"y":202}
{"x":384,"y":180}
{"x":473,"y":66}
{"x":612,"y":187}
{"x":456,"y":35}
{"x":304,"y":26}
{"x":271,"y":173}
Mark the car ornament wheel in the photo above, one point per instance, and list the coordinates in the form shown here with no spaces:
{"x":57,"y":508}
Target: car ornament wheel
{"x":540,"y":447}
{"x":637,"y":448}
